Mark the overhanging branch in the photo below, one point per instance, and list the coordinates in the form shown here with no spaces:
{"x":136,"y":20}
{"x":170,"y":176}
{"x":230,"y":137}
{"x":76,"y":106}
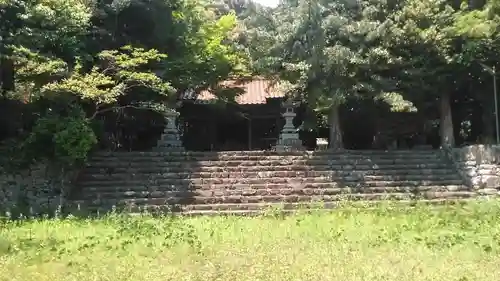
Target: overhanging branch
{"x":98,"y":112}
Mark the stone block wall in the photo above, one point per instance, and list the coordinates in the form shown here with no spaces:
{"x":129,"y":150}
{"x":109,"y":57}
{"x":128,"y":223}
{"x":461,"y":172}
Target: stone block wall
{"x":479,"y":166}
{"x":30,"y":192}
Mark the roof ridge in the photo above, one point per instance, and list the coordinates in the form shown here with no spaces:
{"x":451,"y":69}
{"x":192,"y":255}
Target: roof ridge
{"x":256,"y":91}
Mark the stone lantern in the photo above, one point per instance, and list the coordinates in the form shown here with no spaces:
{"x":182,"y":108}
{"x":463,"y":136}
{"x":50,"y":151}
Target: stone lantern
{"x":289,"y":136}
{"x":170,"y":139}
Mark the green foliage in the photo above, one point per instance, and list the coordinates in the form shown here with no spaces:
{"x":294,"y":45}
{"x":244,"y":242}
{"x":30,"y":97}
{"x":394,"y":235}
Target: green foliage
{"x":210,"y":51}
{"x":37,"y":68}
{"x":65,"y":140}
{"x":66,"y":54}
{"x":73,"y":143}
{"x":405,"y":53}
{"x":331,"y":52}
{"x":351,"y":243}
{"x":116,"y":72}
{"x":38,"y":24}
{"x":326,"y":53}
{"x":94,"y":85}
{"x":127,"y":232}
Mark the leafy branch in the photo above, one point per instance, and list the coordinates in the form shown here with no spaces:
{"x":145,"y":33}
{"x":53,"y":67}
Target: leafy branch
{"x":116,"y":73}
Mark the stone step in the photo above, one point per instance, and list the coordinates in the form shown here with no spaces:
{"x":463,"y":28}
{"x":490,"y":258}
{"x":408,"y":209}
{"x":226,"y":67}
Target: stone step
{"x":167,"y":185}
{"x":261,"y":208}
{"x":272,"y":160}
{"x":239,"y":181}
{"x":338,"y":174}
{"x":263,"y":177}
{"x":473,"y":164}
{"x":298,"y":168}
{"x":264,"y":162}
{"x":202,"y":201}
{"x":123,"y":193}
{"x":262,"y":153}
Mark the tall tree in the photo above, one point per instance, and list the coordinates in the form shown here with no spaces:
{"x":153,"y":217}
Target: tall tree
{"x":329,"y":52}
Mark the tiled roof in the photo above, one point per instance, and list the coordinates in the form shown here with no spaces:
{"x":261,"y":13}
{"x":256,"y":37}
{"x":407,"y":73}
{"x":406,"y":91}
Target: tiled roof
{"x":254,"y":92}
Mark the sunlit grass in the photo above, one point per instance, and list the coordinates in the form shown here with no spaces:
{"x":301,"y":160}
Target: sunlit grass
{"x":423,"y":243}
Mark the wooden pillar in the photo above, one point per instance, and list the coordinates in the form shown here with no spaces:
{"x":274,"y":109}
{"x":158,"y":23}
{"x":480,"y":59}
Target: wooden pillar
{"x":212,"y":134}
{"x":249,"y":134}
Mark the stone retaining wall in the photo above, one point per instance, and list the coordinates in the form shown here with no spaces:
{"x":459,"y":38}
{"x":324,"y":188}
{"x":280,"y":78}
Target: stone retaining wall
{"x":479,"y":165}
{"x":29,"y":192}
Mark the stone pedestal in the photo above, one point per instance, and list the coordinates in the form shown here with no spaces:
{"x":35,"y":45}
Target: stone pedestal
{"x":478,"y":165}
{"x":289,"y":136}
{"x":170,"y":139}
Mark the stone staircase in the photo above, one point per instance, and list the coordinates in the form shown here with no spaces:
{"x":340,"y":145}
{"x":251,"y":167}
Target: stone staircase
{"x":249,"y":181}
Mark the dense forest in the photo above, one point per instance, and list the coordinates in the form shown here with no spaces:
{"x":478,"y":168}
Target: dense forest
{"x":73,"y":71}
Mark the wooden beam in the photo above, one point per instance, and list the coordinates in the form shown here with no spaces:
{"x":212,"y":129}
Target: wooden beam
{"x":274,"y":116}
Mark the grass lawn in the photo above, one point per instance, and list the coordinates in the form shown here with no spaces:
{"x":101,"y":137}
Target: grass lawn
{"x":424,"y":243}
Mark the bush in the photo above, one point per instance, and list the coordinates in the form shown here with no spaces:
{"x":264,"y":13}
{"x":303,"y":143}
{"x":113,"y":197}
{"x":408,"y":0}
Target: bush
{"x":56,"y":146}
{"x":63,"y":140}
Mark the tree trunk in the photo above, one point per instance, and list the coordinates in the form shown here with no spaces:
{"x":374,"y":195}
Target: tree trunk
{"x":487,"y":122}
{"x":6,"y":75}
{"x":446,"y":124}
{"x":335,"y":129}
